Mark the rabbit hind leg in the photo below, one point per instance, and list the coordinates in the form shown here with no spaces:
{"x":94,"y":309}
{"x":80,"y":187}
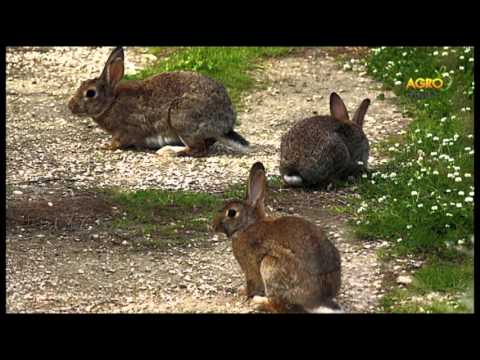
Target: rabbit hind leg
{"x":197,"y":148}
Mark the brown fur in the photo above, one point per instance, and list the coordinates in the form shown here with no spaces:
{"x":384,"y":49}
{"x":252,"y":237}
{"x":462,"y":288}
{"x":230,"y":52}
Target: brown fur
{"x":324,"y":149}
{"x":184,"y":107}
{"x":288,"y":259}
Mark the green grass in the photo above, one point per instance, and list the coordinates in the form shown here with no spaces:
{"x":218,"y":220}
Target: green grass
{"x":444,"y":277}
{"x":424,"y":195}
{"x":422,"y":199}
{"x":231,"y":66}
{"x":160,"y":217}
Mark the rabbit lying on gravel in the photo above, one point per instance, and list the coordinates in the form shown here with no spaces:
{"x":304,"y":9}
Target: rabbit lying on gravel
{"x":322,"y":149}
{"x":173,"y":108}
{"x":289,"y":263}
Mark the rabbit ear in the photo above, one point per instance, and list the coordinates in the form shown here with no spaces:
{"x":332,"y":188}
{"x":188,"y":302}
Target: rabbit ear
{"x":257,"y":184}
{"x":337,"y":107}
{"x":114,"y":67}
{"x":361,"y":111}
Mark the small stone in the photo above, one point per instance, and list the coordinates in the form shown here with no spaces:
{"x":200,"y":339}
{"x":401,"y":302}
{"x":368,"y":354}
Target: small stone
{"x":17,"y":192}
{"x":404,"y":279}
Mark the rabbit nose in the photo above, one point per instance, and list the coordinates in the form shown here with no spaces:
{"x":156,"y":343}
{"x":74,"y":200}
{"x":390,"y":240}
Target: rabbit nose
{"x":71,"y":105}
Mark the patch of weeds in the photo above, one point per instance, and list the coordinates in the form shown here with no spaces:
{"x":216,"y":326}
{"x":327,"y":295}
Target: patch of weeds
{"x":160,"y":217}
{"x":422,"y":199}
{"x":444,"y":277}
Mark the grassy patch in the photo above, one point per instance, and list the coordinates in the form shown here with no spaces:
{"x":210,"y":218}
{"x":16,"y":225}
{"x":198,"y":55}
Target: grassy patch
{"x":160,"y":217}
{"x":231,"y":66}
{"x":444,"y":277}
{"x":422,"y":199}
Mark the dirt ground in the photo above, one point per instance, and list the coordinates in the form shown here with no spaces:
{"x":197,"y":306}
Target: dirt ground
{"x":59,"y":256}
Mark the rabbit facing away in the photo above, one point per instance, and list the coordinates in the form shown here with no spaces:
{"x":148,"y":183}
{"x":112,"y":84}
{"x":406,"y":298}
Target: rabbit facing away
{"x":323,"y":149}
{"x":288,"y":262}
{"x":173,"y":108}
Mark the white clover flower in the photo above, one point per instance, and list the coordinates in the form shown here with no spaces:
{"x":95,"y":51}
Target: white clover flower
{"x":471,"y":152}
{"x":435,"y":172}
{"x":471,"y":193}
{"x":442,"y":120}
{"x":461,"y":193}
{"x":392,"y":148}
{"x":419,"y":141}
{"x":409,"y":227}
{"x":404,"y":54}
{"x":448,"y":191}
{"x":399,"y":240}
{"x":360,"y":162}
{"x":413,"y":193}
{"x":453,"y":118}
{"x":461,"y":68}
{"x":417,"y":130}
{"x":374,"y":71}
{"x":398,"y":82}
{"x":458,"y":205}
{"x":461,"y":242}
{"x":433,"y":153}
{"x":449,"y":214}
{"x":467,"y":175}
{"x":373,"y":182}
{"x":446,"y":74}
{"x":358,"y":222}
{"x":470,"y":136}
{"x":445,"y":53}
{"x":393,"y":174}
{"x":462,"y":57}
{"x":449,"y":175}
{"x":394,"y":199}
{"x":470,"y":60}
{"x":467,"y":50}
{"x":420,"y":205}
{"x":436,"y":138}
{"x":347,"y":66}
{"x":364,"y":176}
{"x":434,"y":207}
{"x":435,"y":53}
{"x":458,"y":179}
{"x":468,"y":199}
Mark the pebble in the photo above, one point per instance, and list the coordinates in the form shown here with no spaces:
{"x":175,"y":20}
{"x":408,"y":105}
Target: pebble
{"x":404,"y":279}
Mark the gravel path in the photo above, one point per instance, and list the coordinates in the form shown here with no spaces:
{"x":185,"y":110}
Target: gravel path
{"x":51,"y":152}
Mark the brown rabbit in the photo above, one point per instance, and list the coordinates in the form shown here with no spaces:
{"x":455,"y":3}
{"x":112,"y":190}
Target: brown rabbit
{"x":289,"y":263}
{"x":172,"y":108}
{"x":323,"y":149}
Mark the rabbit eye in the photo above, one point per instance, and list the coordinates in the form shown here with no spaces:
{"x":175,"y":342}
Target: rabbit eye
{"x":231,"y":213}
{"x":90,"y":93}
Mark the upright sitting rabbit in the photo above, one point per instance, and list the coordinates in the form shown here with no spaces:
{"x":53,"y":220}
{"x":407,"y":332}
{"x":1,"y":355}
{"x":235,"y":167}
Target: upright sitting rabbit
{"x":173,"y":108}
{"x":289,"y":263}
{"x":322,"y":149}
